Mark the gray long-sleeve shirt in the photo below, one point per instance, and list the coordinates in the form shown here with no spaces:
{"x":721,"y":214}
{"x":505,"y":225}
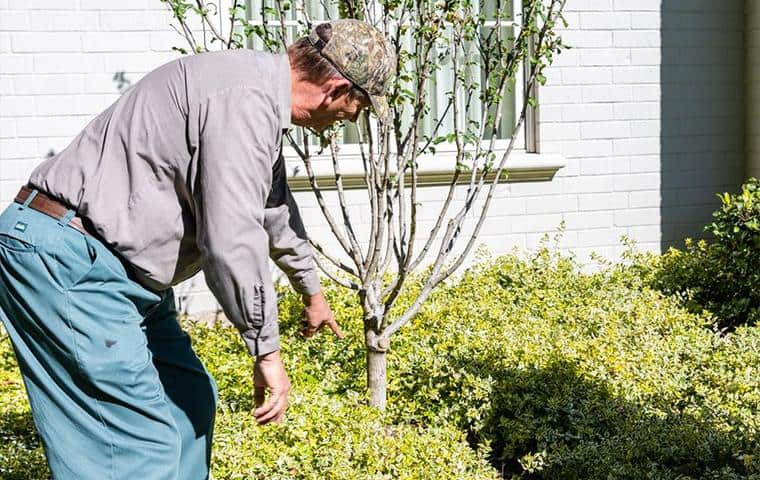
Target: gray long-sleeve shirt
{"x":184,"y":172}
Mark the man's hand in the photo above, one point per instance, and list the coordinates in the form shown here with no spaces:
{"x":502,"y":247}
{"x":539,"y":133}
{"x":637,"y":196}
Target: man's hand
{"x":317,"y":314}
{"x":269,"y":374}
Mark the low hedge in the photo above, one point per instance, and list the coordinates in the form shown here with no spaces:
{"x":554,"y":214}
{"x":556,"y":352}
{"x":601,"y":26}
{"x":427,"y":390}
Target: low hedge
{"x":522,"y":368}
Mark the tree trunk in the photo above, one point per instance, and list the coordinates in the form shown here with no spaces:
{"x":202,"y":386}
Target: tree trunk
{"x":377,"y":378}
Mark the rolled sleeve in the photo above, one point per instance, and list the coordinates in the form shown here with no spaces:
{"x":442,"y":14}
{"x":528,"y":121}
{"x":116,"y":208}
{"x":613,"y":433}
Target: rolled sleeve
{"x":238,"y":142}
{"x":288,"y":244}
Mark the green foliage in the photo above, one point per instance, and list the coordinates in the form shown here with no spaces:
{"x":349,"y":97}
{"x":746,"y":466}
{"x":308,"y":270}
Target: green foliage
{"x":529,"y":363}
{"x":721,"y":275}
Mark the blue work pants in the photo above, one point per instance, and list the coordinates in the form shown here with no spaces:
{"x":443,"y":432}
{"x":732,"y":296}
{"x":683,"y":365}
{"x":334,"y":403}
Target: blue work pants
{"x":115,"y":388}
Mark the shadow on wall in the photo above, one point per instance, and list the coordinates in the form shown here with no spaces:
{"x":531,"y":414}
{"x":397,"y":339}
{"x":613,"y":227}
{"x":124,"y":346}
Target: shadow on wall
{"x":702,"y":111}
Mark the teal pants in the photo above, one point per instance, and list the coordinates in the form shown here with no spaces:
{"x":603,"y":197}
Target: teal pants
{"x":115,"y":388}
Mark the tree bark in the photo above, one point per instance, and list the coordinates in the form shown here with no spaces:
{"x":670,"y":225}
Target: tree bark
{"x":377,"y":378}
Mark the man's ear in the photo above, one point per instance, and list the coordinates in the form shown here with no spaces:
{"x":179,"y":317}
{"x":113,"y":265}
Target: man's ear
{"x":334,"y":88}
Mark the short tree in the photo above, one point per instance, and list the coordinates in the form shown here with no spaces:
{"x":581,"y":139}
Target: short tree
{"x":480,"y":46}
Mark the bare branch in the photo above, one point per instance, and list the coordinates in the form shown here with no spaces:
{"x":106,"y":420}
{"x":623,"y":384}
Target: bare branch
{"x":335,"y":278}
{"x":332,"y":259}
{"x":343,"y":205}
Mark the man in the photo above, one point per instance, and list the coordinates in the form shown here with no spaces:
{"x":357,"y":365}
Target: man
{"x":183,"y":173}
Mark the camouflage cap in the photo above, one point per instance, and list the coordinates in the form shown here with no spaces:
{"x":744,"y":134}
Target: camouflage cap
{"x":362,"y":54}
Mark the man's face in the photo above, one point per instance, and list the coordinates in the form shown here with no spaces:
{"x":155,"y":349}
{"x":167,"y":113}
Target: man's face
{"x":342,"y":107}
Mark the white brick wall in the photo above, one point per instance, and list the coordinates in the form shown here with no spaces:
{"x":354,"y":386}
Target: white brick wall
{"x":646,"y":108}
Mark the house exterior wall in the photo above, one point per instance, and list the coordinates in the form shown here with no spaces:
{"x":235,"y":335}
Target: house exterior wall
{"x":752,"y":68}
{"x":646,"y":109}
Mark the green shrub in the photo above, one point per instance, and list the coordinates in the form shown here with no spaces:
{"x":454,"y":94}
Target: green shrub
{"x":530,"y":364}
{"x":571,"y":375}
{"x":722,"y":275}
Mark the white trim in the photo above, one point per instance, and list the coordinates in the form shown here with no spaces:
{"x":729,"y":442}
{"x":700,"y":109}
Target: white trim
{"x":433,"y":170}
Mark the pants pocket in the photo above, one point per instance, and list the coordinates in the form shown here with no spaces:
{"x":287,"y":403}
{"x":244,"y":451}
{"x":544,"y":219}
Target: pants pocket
{"x":111,"y":346}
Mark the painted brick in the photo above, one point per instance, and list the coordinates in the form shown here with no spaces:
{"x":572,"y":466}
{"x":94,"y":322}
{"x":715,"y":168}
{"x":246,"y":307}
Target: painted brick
{"x":114,"y":42}
{"x":18,"y":20}
{"x":537,"y":223}
{"x":587,"y":39}
{"x":64,"y":21}
{"x":602,"y":201}
{"x":140,"y":62}
{"x":645,"y":20}
{"x":566,"y":240}
{"x":599,"y":237}
{"x":7,"y":129}
{"x":636,"y":146}
{"x":645,"y":233}
{"x":589,"y":184}
{"x":621,"y":165}
{"x":551,"y":113}
{"x":639,"y":181}
{"x":646,"y":93}
{"x":586,"y":75}
{"x":560,"y":131}
{"x":16,"y":64}
{"x":607,"y":93}
{"x":164,"y":41}
{"x":68,"y":63}
{"x":552,"y":204}
{"x":18,"y":147}
{"x":595,"y":166}
{"x":604,"y":57}
{"x":105,"y":83}
{"x":638,"y":216}
{"x":636,"y":38}
{"x":587,"y":148}
{"x":645,"y":128}
{"x":47,"y":84}
{"x":113,"y":5}
{"x":636,"y":75}
{"x":638,"y":5}
{"x":588,"y":5}
{"x":636,"y":111}
{"x":65,"y":126}
{"x":619,"y":129}
{"x":645,"y":198}
{"x":645,"y":164}
{"x":646,"y":56}
{"x":124,"y":21}
{"x":589,"y":112}
{"x":560,"y":95}
{"x":16,"y":106}
{"x":568,"y":58}
{"x":42,"y":4}
{"x":588,"y":220}
{"x":73,"y":105}
{"x":5,"y":42}
{"x":19,"y":169}
{"x":44,"y":42}
{"x":605,"y":21}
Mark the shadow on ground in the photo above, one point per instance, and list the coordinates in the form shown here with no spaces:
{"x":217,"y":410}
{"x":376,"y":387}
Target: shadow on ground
{"x":580,"y":430}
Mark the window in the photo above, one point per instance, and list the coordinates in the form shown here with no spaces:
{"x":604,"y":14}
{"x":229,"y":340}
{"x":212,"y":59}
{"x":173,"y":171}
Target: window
{"x":321,"y":10}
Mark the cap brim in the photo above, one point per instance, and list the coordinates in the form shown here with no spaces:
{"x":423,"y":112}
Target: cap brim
{"x":382,"y":110}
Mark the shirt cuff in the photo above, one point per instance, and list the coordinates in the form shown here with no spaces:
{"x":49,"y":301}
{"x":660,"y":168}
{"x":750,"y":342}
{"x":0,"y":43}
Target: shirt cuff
{"x":308,"y":283}
{"x":259,"y":343}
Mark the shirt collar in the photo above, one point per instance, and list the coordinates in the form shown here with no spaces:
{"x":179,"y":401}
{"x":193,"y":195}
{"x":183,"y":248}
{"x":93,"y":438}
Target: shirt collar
{"x":285,"y":92}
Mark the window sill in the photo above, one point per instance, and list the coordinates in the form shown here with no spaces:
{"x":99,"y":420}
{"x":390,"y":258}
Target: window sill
{"x":432,"y":171}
